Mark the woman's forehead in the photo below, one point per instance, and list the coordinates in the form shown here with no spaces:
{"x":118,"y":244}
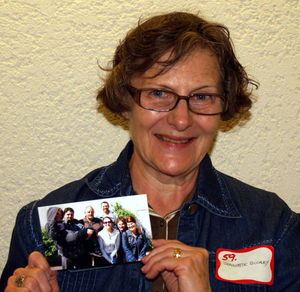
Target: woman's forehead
{"x":201,"y":63}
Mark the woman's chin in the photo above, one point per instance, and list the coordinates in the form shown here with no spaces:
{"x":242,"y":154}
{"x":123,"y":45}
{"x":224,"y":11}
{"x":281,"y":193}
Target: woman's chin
{"x":177,"y":168}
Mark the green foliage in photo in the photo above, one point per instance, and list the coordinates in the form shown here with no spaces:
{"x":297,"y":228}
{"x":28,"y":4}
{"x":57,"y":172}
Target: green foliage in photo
{"x":120,"y":211}
{"x":48,"y":244}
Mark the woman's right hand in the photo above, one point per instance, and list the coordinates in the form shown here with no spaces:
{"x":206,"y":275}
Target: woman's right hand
{"x":38,"y":276}
{"x":187,"y":272}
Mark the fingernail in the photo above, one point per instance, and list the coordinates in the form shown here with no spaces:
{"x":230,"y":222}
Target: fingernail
{"x":48,"y":276}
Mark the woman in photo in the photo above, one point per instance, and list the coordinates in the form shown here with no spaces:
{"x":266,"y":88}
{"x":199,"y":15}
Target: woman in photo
{"x":122,"y":226}
{"x":109,"y":241}
{"x":55,"y":227}
{"x":134,"y":241}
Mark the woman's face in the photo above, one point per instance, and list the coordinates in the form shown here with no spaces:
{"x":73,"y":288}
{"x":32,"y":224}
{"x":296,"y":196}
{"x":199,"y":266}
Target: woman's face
{"x":107,"y":224}
{"x":174,"y":143}
{"x":131,"y":226}
{"x":59,"y":215}
{"x":121,"y":226}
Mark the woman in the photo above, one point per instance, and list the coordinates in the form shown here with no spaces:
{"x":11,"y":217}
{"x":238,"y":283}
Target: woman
{"x":122,"y":226}
{"x":174,"y":77}
{"x":55,"y":227}
{"x":109,"y":241}
{"x":134,"y":241}
{"x":54,"y":222}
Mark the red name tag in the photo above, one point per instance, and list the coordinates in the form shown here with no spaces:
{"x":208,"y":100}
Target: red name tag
{"x":250,"y":265}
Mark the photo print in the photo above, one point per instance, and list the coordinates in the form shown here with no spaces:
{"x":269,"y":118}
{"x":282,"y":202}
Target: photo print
{"x":96,"y":233}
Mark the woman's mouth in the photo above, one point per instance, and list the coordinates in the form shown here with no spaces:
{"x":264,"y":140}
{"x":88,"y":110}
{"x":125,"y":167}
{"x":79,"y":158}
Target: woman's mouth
{"x":166,"y":139}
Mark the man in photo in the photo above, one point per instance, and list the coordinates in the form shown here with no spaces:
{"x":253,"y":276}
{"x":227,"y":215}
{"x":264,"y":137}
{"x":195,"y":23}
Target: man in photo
{"x":92,"y":244}
{"x":75,"y":254}
{"x":107,"y":212}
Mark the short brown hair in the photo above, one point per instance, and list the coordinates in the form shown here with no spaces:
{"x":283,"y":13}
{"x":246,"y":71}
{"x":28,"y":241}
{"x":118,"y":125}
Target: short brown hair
{"x":67,"y":209}
{"x":121,"y":218}
{"x":180,"y":33}
{"x":130,"y":219}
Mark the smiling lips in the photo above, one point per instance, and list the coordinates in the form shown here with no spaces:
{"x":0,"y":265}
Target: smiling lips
{"x":166,"y":139}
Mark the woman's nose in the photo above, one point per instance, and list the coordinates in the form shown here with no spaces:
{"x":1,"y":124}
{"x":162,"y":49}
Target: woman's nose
{"x":180,"y":117}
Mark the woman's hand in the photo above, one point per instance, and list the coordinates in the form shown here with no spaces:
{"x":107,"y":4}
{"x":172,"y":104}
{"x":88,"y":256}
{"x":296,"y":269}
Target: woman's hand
{"x":187,"y":273}
{"x":38,"y":276}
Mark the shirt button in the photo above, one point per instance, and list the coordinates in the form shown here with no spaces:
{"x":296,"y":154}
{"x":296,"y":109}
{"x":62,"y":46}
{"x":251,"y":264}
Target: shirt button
{"x":193,"y":209}
{"x":162,"y":223}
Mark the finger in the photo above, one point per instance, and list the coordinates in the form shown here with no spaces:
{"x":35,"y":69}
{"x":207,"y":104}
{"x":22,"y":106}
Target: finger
{"x":175,"y":265}
{"x":53,"y":281}
{"x":27,"y":283}
{"x":13,"y":287}
{"x":198,"y":256}
{"x":159,"y":256}
{"x":183,"y":268}
{"x":31,"y":284}
{"x":187,"y":277}
{"x":159,"y":242}
{"x":162,"y":246}
{"x":37,"y":260}
{"x":35,"y":280}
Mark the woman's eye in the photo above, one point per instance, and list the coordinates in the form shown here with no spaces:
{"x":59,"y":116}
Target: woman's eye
{"x":201,"y":96}
{"x":158,"y":93}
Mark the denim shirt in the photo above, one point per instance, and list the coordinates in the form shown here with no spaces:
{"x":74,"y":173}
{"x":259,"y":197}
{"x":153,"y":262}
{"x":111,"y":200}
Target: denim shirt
{"x":134,"y":246}
{"x":224,"y":213}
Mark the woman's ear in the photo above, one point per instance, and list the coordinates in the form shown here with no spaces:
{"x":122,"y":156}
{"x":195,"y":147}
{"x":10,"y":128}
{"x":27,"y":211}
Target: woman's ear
{"x":125,"y":115}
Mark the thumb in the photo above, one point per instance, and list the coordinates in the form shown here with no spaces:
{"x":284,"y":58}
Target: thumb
{"x":53,"y":281}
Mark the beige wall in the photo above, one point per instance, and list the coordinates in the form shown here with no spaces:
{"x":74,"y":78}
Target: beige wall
{"x":51,"y":133}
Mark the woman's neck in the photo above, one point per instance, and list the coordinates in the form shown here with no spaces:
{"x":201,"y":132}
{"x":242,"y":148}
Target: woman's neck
{"x":165,"y":193}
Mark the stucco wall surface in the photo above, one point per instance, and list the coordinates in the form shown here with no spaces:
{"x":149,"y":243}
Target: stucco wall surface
{"x":52,"y":134}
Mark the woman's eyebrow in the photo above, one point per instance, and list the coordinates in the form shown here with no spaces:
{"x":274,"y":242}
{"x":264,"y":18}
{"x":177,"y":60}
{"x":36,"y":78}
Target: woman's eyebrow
{"x":169,"y":88}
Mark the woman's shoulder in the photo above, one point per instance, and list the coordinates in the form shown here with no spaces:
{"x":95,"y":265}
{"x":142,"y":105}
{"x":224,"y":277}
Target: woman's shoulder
{"x":248,"y":193}
{"x":252,"y":202}
{"x":102,"y":232}
{"x":127,"y":233}
{"x":116,"y":231}
{"x":74,"y":191}
{"x":140,"y":230}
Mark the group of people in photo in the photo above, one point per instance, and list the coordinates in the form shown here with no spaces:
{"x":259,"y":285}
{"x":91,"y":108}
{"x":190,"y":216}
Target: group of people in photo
{"x":95,"y":241}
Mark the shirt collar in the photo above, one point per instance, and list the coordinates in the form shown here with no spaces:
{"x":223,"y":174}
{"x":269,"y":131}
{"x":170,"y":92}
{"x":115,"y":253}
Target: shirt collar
{"x":212,"y":192}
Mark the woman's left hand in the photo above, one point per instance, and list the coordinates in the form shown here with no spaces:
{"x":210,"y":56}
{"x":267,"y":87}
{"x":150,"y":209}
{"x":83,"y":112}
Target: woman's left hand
{"x":38,"y":277}
{"x":189,"y":272}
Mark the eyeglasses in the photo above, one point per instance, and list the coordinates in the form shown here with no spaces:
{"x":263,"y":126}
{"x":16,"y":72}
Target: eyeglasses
{"x":201,"y":103}
{"x":107,"y":222}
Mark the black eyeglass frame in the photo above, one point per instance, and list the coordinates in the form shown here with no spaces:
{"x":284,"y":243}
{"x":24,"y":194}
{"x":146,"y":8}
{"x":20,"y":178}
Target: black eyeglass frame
{"x":136,"y":95}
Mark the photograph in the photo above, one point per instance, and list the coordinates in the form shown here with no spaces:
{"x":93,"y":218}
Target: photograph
{"x":96,"y":233}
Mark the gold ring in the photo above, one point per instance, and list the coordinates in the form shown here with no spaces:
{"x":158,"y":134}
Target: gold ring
{"x":177,"y":253}
{"x":20,"y":280}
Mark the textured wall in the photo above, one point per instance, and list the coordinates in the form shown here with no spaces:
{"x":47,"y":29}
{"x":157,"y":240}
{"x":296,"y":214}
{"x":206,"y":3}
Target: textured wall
{"x":51,"y":133}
